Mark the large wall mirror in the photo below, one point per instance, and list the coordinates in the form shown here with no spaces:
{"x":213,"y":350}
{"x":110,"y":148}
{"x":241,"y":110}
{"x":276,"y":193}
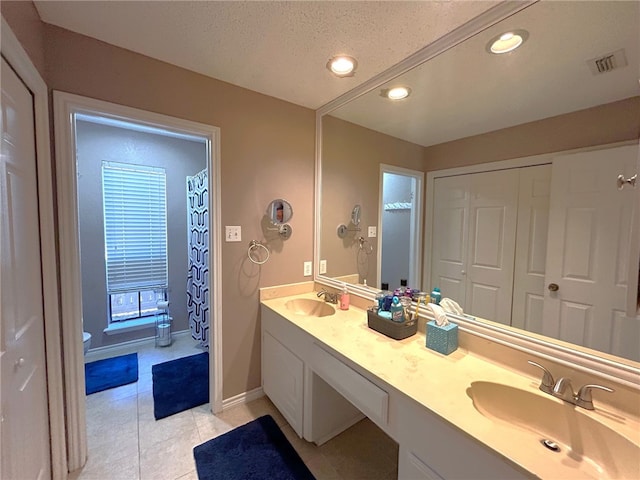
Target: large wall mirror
{"x":483,"y":128}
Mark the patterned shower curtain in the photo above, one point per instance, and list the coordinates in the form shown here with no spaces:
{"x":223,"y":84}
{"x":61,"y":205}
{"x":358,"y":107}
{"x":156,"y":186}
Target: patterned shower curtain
{"x":198,"y":276}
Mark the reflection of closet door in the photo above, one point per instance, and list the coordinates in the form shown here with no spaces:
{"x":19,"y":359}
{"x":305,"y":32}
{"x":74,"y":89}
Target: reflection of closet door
{"x":474,"y":239}
{"x":493,"y":208}
{"x":450,"y":236}
{"x":531,"y":248}
{"x":588,"y":250}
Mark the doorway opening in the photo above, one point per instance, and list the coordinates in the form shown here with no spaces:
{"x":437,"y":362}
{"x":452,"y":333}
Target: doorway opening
{"x":124,"y":178}
{"x":400,"y":221}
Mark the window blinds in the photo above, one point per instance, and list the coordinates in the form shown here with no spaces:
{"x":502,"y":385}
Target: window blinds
{"x":135,"y":226}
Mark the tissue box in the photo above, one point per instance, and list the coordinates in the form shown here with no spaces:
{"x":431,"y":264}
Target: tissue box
{"x":442,"y":339}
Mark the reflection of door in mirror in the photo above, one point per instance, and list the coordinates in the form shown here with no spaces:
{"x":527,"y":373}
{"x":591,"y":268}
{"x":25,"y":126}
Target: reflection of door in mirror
{"x":400,"y":226}
{"x":501,"y":238}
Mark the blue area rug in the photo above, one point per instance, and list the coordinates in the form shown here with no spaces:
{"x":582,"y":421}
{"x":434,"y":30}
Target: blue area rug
{"x":180,"y":384}
{"x":110,"y":373}
{"x":255,"y":451}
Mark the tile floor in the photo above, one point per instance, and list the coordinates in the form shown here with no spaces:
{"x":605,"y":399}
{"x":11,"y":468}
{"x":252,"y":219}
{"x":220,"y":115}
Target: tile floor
{"x":127,"y":443}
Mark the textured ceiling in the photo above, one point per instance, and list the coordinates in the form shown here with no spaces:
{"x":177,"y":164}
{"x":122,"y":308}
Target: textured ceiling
{"x":276,"y":48}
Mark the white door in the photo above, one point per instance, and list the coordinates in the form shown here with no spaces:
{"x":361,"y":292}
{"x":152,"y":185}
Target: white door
{"x":493,"y":209}
{"x":587,"y":254}
{"x":531,"y":248}
{"x":25,"y":419}
{"x":450,"y":236}
{"x":474,"y":232}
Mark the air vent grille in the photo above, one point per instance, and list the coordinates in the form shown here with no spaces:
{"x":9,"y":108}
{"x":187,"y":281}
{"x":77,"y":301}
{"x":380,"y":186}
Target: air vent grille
{"x":608,"y":62}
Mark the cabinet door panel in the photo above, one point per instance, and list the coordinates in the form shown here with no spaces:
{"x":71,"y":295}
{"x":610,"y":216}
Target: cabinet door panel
{"x":282,"y":380}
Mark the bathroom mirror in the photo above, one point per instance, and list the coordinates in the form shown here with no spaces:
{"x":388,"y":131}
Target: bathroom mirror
{"x":279,"y":211}
{"x":469,"y":109}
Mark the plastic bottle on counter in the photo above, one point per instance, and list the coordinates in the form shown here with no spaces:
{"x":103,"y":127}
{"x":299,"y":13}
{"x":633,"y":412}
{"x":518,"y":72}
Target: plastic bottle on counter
{"x":344,"y":299}
{"x":397,"y":310}
{"x":436,"y":296}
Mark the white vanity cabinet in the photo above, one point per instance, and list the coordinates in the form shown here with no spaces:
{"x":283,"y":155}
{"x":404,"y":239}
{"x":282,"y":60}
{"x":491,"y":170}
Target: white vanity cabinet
{"x":432,"y":449}
{"x":322,"y":392}
{"x":283,"y":366}
{"x":283,"y":380}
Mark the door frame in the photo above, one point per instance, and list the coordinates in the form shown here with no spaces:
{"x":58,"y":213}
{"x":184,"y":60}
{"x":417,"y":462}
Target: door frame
{"x":17,"y":57}
{"x":65,"y":106}
{"x":415,"y":237}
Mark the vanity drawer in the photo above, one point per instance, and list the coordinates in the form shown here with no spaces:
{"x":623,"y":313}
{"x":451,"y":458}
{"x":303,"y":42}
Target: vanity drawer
{"x":361,"y":392}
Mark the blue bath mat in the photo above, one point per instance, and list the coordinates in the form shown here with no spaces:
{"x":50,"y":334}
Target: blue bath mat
{"x":255,"y":451}
{"x":110,"y":373}
{"x":180,"y":384}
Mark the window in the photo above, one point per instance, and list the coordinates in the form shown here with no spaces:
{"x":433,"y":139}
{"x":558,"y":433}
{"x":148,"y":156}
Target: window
{"x":135,"y":231}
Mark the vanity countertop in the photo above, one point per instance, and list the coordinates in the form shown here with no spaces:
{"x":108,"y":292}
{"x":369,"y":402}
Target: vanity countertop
{"x":439,"y":383}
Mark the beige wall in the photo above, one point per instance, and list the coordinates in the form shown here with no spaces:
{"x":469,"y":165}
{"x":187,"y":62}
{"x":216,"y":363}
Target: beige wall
{"x":351,"y":156}
{"x":25,"y":23}
{"x":599,"y":125}
{"x":267,"y":152}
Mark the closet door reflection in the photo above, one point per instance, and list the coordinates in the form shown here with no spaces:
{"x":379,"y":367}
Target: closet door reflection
{"x":475,"y":235}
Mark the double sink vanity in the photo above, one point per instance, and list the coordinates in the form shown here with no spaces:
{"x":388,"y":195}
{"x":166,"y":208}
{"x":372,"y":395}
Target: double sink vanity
{"x":465,"y":415}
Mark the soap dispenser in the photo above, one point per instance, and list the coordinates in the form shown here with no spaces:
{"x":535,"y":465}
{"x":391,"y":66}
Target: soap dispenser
{"x":344,"y":299}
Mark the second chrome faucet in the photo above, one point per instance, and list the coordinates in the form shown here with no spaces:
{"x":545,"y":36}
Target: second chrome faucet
{"x":564,"y":390}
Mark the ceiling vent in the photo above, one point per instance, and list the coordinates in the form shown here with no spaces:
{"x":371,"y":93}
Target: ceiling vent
{"x":608,"y":62}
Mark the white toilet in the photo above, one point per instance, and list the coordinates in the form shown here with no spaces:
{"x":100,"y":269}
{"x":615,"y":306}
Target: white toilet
{"x":86,"y":341}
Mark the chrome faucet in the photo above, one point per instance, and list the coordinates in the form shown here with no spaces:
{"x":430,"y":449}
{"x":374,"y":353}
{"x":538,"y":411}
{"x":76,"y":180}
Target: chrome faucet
{"x":328,"y":296}
{"x":563,"y":389}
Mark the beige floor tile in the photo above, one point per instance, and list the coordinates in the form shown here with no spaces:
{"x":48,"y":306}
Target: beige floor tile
{"x":241,"y":414}
{"x":189,"y":476}
{"x":169,"y":459}
{"x":111,"y":414}
{"x":123,"y":468}
{"x":155,"y":431}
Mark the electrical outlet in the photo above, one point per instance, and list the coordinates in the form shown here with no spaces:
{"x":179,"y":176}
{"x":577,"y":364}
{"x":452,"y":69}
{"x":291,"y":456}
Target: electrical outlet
{"x":308,"y":269}
{"x":373,"y":231}
{"x":323,"y":267}
{"x":233,"y":233}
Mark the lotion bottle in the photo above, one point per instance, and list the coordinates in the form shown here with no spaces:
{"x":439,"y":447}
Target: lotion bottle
{"x":344,"y":299}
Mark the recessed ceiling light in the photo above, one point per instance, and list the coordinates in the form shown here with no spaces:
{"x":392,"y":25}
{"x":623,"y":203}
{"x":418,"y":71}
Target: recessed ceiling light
{"x":396,"y":93}
{"x":507,"y":42}
{"x":342,"y":66}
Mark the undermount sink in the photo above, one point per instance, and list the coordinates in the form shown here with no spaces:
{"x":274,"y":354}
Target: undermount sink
{"x":310,"y":307}
{"x":590,"y":447}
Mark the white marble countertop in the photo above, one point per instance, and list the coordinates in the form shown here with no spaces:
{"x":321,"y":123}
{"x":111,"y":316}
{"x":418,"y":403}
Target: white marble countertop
{"x":439,"y":383}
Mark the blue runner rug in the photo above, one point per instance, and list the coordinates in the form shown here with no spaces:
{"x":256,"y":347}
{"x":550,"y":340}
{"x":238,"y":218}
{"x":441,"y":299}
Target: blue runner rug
{"x":110,"y":373}
{"x":180,"y":384}
{"x":255,"y":451}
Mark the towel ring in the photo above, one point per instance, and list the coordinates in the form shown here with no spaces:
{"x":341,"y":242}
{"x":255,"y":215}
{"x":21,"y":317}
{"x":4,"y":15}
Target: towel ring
{"x":255,"y":245}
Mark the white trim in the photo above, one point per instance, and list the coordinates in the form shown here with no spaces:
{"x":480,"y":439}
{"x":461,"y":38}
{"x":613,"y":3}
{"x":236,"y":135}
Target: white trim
{"x":130,"y":325}
{"x":123,"y":348}
{"x":415,"y":260}
{"x":66,"y":105}
{"x":15,"y":55}
{"x":242,"y":398}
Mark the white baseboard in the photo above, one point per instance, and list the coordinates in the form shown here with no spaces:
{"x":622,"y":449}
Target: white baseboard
{"x":124,"y":348}
{"x":242,"y":398}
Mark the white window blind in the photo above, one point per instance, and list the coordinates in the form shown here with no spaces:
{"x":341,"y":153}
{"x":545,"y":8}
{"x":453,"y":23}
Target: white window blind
{"x":135,"y":226}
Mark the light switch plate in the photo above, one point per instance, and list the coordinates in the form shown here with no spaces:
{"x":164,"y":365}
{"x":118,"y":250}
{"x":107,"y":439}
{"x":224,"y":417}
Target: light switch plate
{"x":233,"y":233}
{"x":372,"y":232}
{"x":308,"y":269}
{"x":323,"y":267}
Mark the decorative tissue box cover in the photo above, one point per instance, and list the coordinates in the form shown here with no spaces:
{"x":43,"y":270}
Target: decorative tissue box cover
{"x":442,"y":339}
